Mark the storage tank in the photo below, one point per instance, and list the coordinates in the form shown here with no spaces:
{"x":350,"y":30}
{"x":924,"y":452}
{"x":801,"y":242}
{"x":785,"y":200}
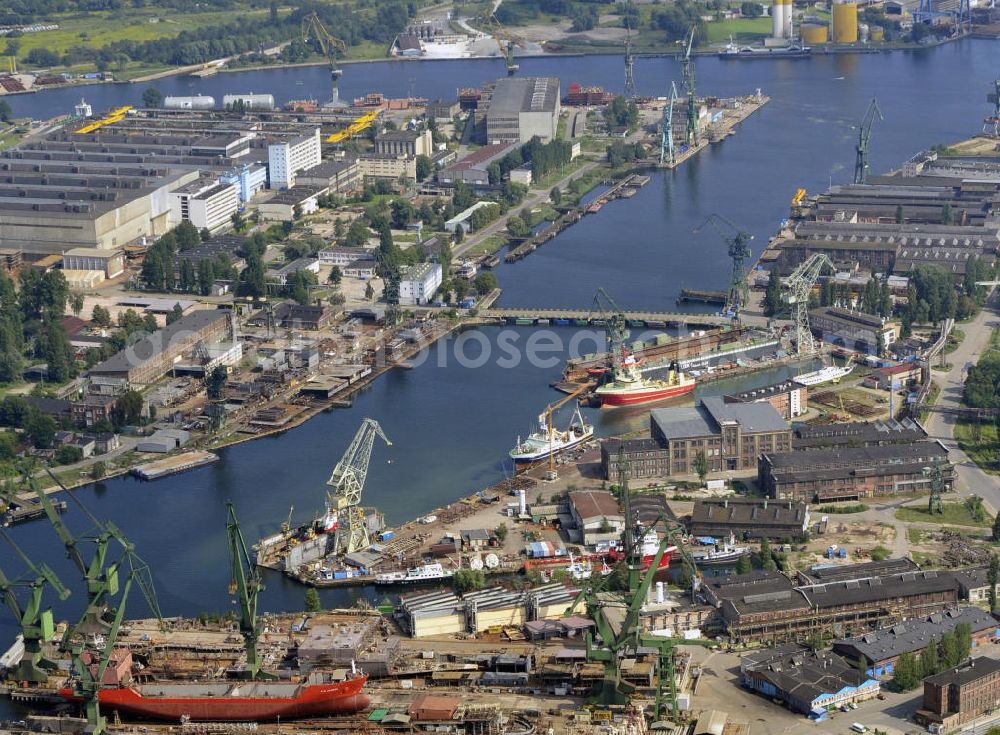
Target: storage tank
{"x":845,"y":22}
{"x":777,"y":20}
{"x":251,"y":101}
{"x":198,"y":102}
{"x":814,"y":34}
{"x":877,"y":34}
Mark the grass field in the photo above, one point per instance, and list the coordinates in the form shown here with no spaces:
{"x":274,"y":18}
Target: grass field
{"x":741,"y":29}
{"x":955,"y":514}
{"x":99,"y":28}
{"x":982,"y":451}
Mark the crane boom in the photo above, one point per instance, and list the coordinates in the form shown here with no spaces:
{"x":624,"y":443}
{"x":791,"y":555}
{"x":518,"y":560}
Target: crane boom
{"x":615,"y":326}
{"x":348,"y":481}
{"x":687,"y":68}
{"x":247,"y":585}
{"x":739,"y":253}
{"x":506,"y":41}
{"x":864,"y":138}
{"x":798,"y":286}
{"x":329,"y":45}
{"x":667,"y":154}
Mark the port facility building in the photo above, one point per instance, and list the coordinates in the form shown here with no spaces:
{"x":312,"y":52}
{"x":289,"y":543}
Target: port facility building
{"x":747,"y":518}
{"x":880,"y":649}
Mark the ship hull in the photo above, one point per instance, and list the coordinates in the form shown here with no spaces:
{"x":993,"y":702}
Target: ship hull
{"x":526,"y":457}
{"x":627,"y":397}
{"x":317,"y":700}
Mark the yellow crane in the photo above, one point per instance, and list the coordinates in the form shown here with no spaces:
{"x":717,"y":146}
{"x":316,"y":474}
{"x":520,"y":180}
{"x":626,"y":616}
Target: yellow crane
{"x":329,"y":44}
{"x":116,"y":115}
{"x":358,"y":126}
{"x":800,"y":195}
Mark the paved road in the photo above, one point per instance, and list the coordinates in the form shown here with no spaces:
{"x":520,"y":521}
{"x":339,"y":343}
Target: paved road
{"x":970,"y":479}
{"x":533,"y":199}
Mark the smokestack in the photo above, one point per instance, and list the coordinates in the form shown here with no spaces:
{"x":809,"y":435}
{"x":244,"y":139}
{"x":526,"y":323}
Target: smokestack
{"x":523,"y":503}
{"x":659,"y":593}
{"x":786,"y":23}
{"x":777,"y":20}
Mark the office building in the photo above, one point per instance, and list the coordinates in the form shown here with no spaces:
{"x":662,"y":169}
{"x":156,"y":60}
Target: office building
{"x":205,"y":203}
{"x":286,"y":158}
{"x":404,"y":143}
{"x":731,"y":436}
{"x":960,"y":695}
{"x":418,"y":284}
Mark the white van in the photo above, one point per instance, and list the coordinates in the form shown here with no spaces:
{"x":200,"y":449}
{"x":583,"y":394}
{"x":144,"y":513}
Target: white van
{"x":858,"y":727}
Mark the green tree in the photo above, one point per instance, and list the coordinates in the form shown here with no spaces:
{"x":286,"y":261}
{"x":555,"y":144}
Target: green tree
{"x":906,"y":674}
{"x":469,"y":580}
{"x":312,"y":601}
{"x":336,"y":275}
{"x":238,"y":220}
{"x":700,"y":466}
{"x":459,"y":234}
{"x":501,"y":533}
{"x":484,"y":282}
{"x":880,"y":553}
{"x":186,"y":236}
{"x":76,"y":303}
{"x":99,"y":469}
{"x":215,"y":383}
{"x":151,"y":97}
{"x":369,"y":291}
{"x":206,"y":277}
{"x":66,"y":454}
{"x":751,"y":10}
{"x":40,"y":429}
{"x":930,"y":659}
{"x":424,"y":167}
{"x":57,"y":352}
{"x":743,"y":565}
{"x":556,"y":195}
{"x":963,"y":641}
{"x":767,"y":561}
{"x":772,"y":296}
{"x":101,"y":316}
{"x":974,"y":504}
{"x":951,"y":649}
{"x":127,"y":409}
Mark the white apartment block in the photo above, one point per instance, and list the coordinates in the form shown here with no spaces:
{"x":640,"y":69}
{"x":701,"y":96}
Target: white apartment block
{"x":287,"y":158}
{"x":418,"y":284}
{"x":204,"y":203}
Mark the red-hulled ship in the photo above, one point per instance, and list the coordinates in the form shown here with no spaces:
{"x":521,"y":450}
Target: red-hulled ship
{"x":237,"y":701}
{"x":649,"y":545}
{"x":629,"y":387}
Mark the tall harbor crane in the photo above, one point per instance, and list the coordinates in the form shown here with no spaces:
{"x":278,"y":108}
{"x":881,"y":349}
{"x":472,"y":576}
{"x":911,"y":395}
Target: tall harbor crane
{"x":36,"y":623}
{"x":549,"y":410}
{"x":864,"y":138}
{"x":90,"y":641}
{"x":247,"y":584}
{"x":798,"y":286}
{"x":738,"y":241}
{"x":347,"y":481}
{"x":313,"y":27}
{"x":687,"y":67}
{"x":617,"y":640}
{"x":615,"y":325}
{"x":506,"y":41}
{"x":629,"y":89}
{"x":667,"y":135}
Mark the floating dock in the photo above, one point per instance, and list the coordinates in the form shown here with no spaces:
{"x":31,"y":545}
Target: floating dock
{"x":694,"y":295}
{"x":172,"y":465}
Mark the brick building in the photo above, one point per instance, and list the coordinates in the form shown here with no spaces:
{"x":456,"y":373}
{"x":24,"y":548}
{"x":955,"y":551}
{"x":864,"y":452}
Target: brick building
{"x":857,"y":434}
{"x":749,"y":518}
{"x":731,"y":435}
{"x":788,"y":398}
{"x":851,"y":473}
{"x":766,"y":607}
{"x":959,"y":695}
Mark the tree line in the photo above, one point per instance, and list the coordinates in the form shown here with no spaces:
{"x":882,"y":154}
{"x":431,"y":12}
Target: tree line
{"x":941,"y":654}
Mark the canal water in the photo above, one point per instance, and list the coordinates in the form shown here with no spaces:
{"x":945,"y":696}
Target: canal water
{"x":452,"y":420}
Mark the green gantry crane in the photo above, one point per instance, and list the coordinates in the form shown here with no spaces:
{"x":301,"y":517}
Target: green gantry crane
{"x":91,"y":640}
{"x":798,"y":286}
{"x":348,"y":481}
{"x":247,"y":584}
{"x":630,"y":635}
{"x":36,"y":623}
{"x":864,"y":138}
{"x":687,"y":68}
{"x":615,"y":326}
{"x":738,"y":241}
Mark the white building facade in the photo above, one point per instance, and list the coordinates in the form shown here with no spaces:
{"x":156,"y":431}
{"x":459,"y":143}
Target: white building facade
{"x":418,"y":284}
{"x":287,"y":158}
{"x":205,"y":204}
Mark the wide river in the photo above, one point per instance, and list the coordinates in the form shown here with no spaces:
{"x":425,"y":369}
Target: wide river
{"x":453,"y":418}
